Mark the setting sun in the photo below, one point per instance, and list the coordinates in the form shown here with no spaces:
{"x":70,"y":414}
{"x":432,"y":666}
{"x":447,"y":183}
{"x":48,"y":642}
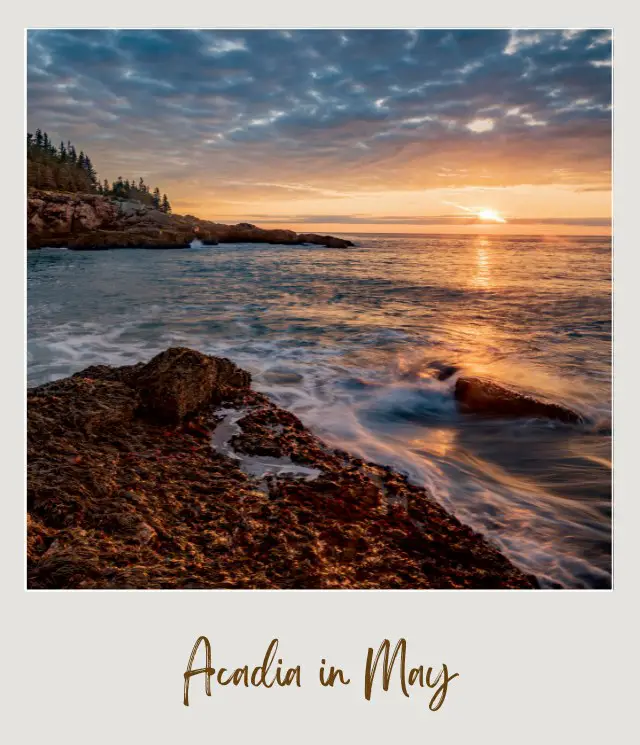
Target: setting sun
{"x":490,"y":216}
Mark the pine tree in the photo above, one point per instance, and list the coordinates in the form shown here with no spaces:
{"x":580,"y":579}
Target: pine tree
{"x":65,"y":179}
{"x":33,"y":174}
{"x":91,"y":171}
{"x":48,"y":180}
{"x":64,"y":169}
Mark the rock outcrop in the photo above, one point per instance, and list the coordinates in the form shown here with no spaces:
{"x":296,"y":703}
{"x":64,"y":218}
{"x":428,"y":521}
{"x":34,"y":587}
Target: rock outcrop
{"x":487,"y":398}
{"x":126,"y":489}
{"x":322,"y":240}
{"x":54,"y":217}
{"x":93,"y":222}
{"x":179,"y":382}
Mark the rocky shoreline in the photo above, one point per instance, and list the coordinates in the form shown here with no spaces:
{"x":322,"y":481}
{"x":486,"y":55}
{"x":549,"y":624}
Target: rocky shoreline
{"x":90,"y":222}
{"x":176,"y":474}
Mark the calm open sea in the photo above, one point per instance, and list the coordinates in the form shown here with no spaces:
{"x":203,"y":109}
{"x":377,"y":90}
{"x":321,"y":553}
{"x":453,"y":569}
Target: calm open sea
{"x":347,"y":341}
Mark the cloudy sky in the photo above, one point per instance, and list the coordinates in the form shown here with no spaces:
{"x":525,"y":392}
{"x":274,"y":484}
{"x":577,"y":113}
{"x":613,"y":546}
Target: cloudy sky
{"x":390,"y":131}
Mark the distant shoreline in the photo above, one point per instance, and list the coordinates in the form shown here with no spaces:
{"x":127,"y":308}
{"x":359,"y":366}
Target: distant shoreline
{"x":94,"y":222}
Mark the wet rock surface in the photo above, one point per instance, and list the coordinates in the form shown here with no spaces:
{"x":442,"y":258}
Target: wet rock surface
{"x":90,"y":222}
{"x":488,"y":398}
{"x":127,"y":489}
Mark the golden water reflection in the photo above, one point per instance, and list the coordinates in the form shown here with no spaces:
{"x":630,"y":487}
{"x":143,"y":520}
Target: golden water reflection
{"x":482,"y":277}
{"x":438,"y":442}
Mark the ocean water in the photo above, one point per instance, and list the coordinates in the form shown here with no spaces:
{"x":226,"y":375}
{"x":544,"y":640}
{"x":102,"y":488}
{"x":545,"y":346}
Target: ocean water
{"x":349,"y":340}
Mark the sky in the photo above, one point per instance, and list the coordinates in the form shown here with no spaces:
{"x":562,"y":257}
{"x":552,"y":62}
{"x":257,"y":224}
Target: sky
{"x":436,"y":131}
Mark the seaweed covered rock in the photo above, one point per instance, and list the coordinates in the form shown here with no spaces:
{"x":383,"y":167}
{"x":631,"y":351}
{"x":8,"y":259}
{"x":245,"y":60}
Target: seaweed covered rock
{"x":129,"y":486}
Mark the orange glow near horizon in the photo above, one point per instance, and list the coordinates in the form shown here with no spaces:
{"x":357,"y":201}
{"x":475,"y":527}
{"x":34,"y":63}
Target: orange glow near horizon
{"x":483,"y":229}
{"x":526,"y":209}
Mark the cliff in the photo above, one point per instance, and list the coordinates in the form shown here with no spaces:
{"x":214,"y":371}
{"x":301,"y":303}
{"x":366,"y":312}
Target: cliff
{"x":176,"y":474}
{"x":95,"y":222}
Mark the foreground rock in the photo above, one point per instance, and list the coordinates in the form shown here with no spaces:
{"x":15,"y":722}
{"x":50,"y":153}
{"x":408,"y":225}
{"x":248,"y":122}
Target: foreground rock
{"x":487,"y":398}
{"x":90,"y":222}
{"x":181,"y":381}
{"x":126,"y":490}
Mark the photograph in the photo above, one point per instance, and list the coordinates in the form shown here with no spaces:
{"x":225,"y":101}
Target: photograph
{"x":318,"y":309}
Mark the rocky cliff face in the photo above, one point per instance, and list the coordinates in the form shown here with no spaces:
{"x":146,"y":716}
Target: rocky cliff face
{"x":94,"y":222}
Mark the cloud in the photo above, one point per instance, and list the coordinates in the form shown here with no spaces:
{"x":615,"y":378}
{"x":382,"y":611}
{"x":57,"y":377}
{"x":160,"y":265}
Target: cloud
{"x":332,"y":110}
{"x":481,"y":125}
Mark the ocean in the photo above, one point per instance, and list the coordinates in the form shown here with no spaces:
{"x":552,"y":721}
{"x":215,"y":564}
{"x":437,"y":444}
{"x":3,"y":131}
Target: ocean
{"x":349,"y":341}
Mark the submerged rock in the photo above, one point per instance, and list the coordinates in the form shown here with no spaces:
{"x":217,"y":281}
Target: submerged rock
{"x":487,"y":398}
{"x":444,"y":372}
{"x":127,"y":489}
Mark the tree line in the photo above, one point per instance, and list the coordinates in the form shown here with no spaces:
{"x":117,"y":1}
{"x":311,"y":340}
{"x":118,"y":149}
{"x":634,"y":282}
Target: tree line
{"x":62,"y":168}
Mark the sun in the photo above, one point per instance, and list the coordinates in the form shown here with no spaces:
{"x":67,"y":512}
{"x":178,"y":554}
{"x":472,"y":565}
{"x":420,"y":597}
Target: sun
{"x":490,"y":216}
